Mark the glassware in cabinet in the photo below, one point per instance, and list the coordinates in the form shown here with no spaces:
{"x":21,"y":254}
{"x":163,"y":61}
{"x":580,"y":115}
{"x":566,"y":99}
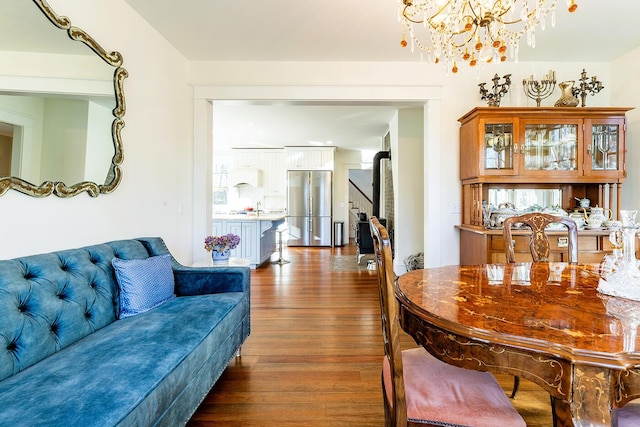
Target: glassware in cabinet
{"x":498,"y":147}
{"x":550,"y":147}
{"x":605,"y":148}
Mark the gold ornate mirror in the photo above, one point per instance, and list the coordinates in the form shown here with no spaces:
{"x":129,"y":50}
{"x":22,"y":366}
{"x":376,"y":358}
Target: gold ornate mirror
{"x":61,"y":105}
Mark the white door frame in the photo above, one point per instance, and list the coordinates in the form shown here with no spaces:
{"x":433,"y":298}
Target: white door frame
{"x":337,"y":94}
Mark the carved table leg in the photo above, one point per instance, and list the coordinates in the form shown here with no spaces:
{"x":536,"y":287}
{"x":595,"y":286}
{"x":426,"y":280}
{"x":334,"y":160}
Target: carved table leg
{"x":561,"y":413}
{"x":591,"y":405}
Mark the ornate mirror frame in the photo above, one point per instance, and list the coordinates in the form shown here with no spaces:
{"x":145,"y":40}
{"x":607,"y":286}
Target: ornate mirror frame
{"x":114,"y":175}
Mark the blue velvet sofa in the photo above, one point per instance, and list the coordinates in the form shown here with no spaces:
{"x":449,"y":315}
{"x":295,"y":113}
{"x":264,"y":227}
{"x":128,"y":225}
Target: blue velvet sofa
{"x":67,"y":360}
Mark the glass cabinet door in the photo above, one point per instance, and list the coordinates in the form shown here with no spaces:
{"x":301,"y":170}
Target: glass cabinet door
{"x":499,"y":148}
{"x":604,"y":147}
{"x":550,"y":147}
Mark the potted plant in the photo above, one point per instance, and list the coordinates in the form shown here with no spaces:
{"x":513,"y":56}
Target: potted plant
{"x":220,"y":246}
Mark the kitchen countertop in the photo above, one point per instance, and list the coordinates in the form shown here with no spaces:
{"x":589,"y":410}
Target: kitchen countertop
{"x":263,"y":216}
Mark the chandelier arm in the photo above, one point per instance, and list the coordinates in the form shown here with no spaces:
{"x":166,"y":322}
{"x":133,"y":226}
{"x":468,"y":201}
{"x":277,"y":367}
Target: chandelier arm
{"x":516,"y":21}
{"x":404,"y":13}
{"x":475,"y":17}
{"x":498,"y":16}
{"x":499,"y":21}
{"x":459,"y":46}
{"x":413,"y":21}
{"x":405,"y":16}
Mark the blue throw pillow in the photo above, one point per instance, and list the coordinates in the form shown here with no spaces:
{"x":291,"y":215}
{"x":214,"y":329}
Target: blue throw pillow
{"x":144,"y":283}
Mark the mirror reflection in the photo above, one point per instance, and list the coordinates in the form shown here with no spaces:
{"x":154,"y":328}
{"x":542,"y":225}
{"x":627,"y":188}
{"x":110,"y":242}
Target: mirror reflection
{"x":525,"y":199}
{"x":60,"y":117}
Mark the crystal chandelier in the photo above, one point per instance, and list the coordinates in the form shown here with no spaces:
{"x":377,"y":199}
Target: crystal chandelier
{"x":473,"y":30}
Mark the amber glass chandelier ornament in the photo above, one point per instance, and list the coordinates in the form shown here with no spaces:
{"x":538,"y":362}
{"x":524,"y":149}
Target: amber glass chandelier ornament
{"x":459,"y":31}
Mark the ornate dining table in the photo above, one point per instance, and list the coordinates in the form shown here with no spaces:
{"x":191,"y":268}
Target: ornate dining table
{"x":545,"y":322}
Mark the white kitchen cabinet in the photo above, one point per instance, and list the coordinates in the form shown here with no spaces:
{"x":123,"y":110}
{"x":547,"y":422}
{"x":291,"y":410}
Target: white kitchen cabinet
{"x":251,"y":241}
{"x":246,"y":159}
{"x":218,"y":228}
{"x":257,"y":237}
{"x":315,"y":158}
{"x":274,"y":173}
{"x":327,"y":159}
{"x":248,"y":232}
{"x":295,"y":159}
{"x":247,"y":235}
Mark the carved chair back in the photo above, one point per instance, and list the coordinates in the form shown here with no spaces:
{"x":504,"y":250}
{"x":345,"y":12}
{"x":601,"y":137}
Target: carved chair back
{"x":539,"y":242}
{"x":396,"y":410}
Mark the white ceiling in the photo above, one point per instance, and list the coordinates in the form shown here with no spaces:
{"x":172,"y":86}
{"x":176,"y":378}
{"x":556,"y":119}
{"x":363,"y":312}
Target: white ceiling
{"x":363,"y":30}
{"x":242,"y":124}
{"x":353,"y":30}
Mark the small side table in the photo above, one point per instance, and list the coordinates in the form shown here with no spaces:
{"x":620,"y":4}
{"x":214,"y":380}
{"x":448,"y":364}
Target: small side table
{"x":233,"y":262}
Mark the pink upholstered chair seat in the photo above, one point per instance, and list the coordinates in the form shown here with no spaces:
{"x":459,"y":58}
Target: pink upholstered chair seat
{"x":629,"y":414}
{"x":446,"y":395}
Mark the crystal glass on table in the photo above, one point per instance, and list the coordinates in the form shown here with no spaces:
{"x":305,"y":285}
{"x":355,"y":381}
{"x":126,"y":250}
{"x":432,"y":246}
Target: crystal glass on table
{"x":620,"y":275}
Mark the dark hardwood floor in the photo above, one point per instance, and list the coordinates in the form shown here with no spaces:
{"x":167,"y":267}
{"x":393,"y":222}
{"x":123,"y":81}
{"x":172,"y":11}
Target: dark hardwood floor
{"x":315,"y":352}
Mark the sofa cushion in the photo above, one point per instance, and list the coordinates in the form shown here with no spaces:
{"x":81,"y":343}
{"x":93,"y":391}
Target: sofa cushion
{"x":144,"y":283}
{"x":128,"y":371}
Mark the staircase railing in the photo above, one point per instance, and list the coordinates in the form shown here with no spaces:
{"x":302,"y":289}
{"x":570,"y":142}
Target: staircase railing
{"x":359,"y":201}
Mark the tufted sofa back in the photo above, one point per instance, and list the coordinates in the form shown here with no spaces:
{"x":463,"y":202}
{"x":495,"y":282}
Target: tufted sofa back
{"x":50,"y":301}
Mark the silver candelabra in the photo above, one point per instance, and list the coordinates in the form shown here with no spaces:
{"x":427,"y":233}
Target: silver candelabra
{"x":594,"y":86}
{"x":499,"y":90}
{"x":539,"y":90}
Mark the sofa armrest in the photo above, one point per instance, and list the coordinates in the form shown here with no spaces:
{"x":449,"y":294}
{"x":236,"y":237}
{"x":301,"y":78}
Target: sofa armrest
{"x":201,"y":280}
{"x":211,"y":280}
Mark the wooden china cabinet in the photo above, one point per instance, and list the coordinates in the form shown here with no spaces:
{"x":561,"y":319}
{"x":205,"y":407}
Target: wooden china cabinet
{"x":572,"y":152}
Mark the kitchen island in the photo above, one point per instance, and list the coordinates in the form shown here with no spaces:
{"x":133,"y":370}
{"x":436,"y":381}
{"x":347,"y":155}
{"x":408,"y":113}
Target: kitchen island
{"x":257,"y":233}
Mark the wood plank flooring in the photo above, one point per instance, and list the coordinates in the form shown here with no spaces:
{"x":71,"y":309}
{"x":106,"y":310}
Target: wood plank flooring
{"x":315,"y":351}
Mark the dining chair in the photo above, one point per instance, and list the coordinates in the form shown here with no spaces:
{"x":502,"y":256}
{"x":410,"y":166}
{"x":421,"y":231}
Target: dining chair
{"x":539,"y":242}
{"x":538,"y":245}
{"x":417,"y":388}
{"x":628,"y":415}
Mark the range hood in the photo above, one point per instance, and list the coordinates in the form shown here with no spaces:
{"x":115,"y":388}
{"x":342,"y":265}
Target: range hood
{"x":252,"y":177}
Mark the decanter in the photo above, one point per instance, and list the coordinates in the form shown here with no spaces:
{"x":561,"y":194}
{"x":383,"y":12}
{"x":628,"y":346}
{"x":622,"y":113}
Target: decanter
{"x":619,"y":274}
{"x":613,"y":261}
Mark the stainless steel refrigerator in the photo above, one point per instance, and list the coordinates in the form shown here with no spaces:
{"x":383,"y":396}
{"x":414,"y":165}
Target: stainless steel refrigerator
{"x":309,"y":195}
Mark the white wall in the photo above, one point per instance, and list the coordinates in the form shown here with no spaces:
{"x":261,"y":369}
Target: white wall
{"x":625,"y":92}
{"x":407,"y":166}
{"x":343,"y":160}
{"x":154,"y":197}
{"x":96,"y":169}
{"x":64,"y":138}
{"x":26,"y":112}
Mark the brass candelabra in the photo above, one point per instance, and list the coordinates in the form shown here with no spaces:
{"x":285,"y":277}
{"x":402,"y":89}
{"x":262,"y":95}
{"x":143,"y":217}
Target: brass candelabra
{"x":499,"y":90}
{"x":539,"y":90}
{"x":593,"y":86}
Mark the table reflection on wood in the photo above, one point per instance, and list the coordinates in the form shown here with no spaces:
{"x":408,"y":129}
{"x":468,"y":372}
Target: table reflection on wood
{"x":545,"y":322}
